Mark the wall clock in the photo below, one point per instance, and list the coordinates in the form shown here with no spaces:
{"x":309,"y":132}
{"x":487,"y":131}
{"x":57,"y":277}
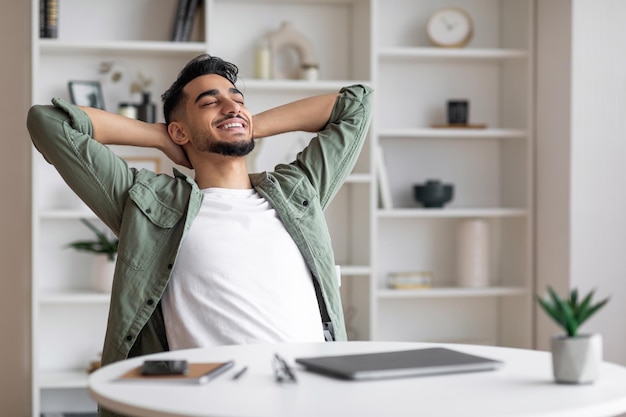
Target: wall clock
{"x":450,"y":27}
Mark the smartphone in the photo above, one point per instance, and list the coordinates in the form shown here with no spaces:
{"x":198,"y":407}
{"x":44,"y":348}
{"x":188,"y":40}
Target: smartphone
{"x":165,"y":367}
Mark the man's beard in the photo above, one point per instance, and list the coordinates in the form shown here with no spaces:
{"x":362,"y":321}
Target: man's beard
{"x":231,"y":149}
{"x":206,"y":144}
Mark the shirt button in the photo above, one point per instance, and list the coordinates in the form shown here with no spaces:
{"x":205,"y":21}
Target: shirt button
{"x":129,"y":338}
{"x":305,"y":203}
{"x":148,"y":210}
{"x":150,"y":301}
{"x":170,"y":266}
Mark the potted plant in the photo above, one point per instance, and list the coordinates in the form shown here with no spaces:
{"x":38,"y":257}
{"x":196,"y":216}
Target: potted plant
{"x":575,"y":357}
{"x":104,"y":264}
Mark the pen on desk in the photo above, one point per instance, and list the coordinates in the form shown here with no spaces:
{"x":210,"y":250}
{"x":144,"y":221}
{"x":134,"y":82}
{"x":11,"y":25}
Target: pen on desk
{"x":219,"y":370}
{"x":240,"y":372}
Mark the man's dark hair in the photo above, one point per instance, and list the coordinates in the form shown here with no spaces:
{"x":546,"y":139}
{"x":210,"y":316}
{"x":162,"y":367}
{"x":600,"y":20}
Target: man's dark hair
{"x":201,"y":65}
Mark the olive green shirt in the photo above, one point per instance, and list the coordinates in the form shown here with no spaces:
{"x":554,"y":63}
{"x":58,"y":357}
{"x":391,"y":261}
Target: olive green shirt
{"x":151,"y":213}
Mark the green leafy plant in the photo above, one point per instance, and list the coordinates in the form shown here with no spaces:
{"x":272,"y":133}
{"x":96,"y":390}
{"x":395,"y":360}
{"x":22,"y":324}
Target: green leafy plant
{"x":570,"y":313}
{"x":103,"y":244}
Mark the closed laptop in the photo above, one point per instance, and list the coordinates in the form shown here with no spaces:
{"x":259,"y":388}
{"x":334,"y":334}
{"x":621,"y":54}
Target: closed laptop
{"x":416,"y":362}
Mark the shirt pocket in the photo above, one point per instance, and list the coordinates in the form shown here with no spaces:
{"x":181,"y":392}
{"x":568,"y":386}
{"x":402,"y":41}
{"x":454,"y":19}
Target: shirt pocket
{"x":147,"y":227}
{"x":309,"y":216}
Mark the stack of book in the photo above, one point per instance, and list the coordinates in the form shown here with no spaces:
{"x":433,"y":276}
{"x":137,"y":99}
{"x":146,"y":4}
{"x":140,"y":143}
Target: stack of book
{"x":48,"y":18}
{"x":183,"y":22}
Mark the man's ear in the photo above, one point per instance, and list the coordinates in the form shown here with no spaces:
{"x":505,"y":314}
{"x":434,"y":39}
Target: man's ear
{"x":178,"y":133}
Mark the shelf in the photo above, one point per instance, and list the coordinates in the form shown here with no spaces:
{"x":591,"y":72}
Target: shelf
{"x":453,"y":292}
{"x":314,"y":2}
{"x":74,"y":297}
{"x":273,"y":86}
{"x":451,"y":213}
{"x":65,"y":214}
{"x":459,"y":133}
{"x":353,"y":270}
{"x":358,"y":179}
{"x":136,"y":47}
{"x":450,"y":53}
{"x":63,"y":379}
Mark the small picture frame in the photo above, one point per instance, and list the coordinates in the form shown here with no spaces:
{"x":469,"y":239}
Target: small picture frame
{"x":86,"y":93}
{"x":151,"y":163}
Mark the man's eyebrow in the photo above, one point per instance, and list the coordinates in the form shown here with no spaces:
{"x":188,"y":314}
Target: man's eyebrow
{"x":215,"y":92}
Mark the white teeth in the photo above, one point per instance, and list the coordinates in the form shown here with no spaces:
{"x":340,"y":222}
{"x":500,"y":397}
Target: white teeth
{"x":229,"y":125}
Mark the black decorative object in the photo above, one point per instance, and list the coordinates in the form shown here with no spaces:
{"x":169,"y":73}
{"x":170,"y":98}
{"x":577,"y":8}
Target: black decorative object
{"x":146,"y":109}
{"x":433,"y":194}
{"x":458,"y":112}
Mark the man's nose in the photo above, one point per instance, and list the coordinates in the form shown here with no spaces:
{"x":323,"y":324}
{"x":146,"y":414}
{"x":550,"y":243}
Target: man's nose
{"x":232,"y":107}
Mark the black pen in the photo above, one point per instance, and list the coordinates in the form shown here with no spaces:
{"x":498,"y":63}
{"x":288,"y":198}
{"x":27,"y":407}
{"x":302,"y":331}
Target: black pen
{"x":240,"y":372}
{"x":216,"y":372}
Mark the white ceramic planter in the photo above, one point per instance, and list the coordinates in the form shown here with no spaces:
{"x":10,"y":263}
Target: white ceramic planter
{"x":103,"y":271}
{"x":576,"y":360}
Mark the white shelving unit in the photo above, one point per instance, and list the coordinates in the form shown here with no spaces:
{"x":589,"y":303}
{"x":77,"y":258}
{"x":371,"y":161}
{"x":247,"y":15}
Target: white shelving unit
{"x":490,"y":168}
{"x":381,"y":43}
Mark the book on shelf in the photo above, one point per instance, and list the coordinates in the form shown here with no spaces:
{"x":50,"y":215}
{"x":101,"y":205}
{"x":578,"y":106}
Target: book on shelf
{"x":48,"y":18}
{"x":184,"y":20}
{"x":383,"y":179}
{"x":42,"y":18}
{"x":179,"y":20}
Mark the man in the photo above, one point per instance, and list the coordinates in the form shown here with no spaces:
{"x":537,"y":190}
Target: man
{"x":226,"y":257}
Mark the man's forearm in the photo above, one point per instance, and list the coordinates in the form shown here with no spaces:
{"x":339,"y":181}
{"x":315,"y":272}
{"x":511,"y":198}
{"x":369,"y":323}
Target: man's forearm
{"x":308,"y":115}
{"x":113,"y":129}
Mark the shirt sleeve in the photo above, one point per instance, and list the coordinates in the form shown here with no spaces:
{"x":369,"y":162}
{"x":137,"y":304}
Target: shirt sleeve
{"x":331,"y":155}
{"x":63,"y":134}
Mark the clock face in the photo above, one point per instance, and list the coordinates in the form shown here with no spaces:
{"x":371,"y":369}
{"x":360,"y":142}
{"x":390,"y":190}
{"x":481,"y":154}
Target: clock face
{"x":449,"y":27}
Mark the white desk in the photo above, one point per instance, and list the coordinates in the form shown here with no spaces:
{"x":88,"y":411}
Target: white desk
{"x":523,"y":387}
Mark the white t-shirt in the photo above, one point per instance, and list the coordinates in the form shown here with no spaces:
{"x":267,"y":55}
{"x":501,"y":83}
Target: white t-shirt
{"x":239,"y":278}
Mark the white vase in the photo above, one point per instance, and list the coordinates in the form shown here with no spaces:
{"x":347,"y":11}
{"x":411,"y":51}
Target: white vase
{"x":576,"y":360}
{"x":281,"y":42}
{"x":103,"y":271}
{"x":472,"y":264}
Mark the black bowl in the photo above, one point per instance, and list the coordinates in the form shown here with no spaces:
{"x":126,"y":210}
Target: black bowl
{"x":433,"y":194}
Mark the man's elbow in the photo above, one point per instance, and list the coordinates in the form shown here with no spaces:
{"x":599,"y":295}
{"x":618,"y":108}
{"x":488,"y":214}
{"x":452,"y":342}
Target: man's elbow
{"x":40,"y":122}
{"x":34,"y":122}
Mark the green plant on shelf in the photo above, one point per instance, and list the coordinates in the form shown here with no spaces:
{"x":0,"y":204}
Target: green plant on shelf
{"x":570,"y":313}
{"x":103,"y":244}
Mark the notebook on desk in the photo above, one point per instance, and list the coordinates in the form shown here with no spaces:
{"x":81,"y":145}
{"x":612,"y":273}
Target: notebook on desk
{"x":416,"y":362}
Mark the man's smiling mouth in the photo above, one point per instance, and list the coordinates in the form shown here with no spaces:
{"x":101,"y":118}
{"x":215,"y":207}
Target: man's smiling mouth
{"x":231,"y":125}
{"x":233,"y":122}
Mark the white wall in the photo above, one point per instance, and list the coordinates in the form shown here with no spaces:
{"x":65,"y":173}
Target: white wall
{"x":583,"y":198}
{"x":598,"y":209}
